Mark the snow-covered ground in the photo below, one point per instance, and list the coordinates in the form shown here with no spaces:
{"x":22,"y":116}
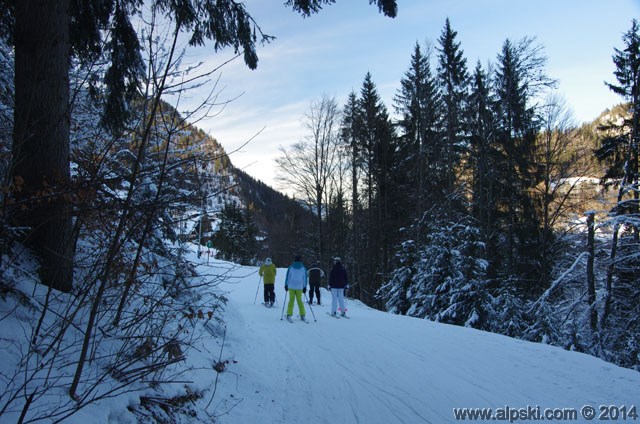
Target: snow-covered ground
{"x":373,"y":368}
{"x":383,"y":368}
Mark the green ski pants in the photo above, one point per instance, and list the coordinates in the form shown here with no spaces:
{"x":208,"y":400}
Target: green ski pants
{"x":295,"y":295}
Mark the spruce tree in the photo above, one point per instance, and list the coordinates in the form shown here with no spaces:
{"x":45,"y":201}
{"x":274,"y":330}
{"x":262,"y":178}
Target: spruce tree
{"x":443,"y":280}
{"x":376,"y":144}
{"x":519,"y":76}
{"x":620,"y":151}
{"x":349,"y":137}
{"x":418,"y":104}
{"x":453,"y":81}
{"x":483,"y":161}
{"x":40,"y":152}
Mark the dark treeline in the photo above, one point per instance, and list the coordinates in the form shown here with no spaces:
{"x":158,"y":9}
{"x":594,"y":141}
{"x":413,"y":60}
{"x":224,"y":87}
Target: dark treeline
{"x":470,"y":207}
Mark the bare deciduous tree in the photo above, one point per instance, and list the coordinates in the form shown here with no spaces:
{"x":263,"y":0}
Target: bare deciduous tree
{"x":307,"y":166}
{"x":561,"y":174}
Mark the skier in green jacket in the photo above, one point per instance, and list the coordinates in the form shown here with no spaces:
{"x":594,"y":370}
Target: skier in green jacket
{"x":268,"y":273}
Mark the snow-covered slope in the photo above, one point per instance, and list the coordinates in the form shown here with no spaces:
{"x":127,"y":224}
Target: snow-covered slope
{"x":383,"y":368}
{"x":373,"y":368}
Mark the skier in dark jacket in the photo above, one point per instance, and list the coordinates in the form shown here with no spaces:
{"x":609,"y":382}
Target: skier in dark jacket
{"x":338,"y":282}
{"x":315,"y":274}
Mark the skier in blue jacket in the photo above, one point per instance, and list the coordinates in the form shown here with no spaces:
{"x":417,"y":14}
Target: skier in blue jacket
{"x":338,"y":282}
{"x":296,"y":284}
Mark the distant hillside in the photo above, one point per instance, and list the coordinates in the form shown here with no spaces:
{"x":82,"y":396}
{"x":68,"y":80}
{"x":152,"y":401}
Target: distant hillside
{"x":588,"y":137}
{"x":282,"y":221}
{"x":589,"y":193}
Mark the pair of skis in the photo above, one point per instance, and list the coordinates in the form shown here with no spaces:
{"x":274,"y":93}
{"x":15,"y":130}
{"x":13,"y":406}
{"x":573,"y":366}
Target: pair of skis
{"x":336,"y":316}
{"x":302,"y":320}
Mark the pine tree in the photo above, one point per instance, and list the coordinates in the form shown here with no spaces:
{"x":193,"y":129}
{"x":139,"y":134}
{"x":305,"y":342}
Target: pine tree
{"x":338,"y":219}
{"x":370,"y":110}
{"x":396,"y":294}
{"x":418,"y":104}
{"x":511,"y":114}
{"x":453,"y":82}
{"x":349,"y":135}
{"x":620,"y":149}
{"x":481,"y":130}
{"x":483,"y":160}
{"x":518,"y":77}
{"x":40,"y":152}
{"x":376,"y":144}
{"x":443,"y":280}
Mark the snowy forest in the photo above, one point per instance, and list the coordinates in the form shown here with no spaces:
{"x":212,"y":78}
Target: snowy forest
{"x":483,"y":204}
{"x":474,"y":199}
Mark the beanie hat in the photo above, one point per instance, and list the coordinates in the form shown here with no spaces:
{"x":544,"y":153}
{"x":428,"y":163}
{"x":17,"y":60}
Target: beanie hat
{"x":298,"y":258}
{"x":267,"y":261}
{"x":337,"y":259}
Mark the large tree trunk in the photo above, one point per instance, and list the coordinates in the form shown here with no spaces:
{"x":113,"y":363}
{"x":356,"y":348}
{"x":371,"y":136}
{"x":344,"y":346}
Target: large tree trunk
{"x":41,"y":134}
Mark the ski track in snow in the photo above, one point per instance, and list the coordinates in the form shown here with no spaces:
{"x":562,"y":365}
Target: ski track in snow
{"x":383,"y":368}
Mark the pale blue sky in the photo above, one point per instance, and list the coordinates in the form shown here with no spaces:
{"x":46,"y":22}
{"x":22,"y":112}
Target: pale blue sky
{"x":330,"y":53}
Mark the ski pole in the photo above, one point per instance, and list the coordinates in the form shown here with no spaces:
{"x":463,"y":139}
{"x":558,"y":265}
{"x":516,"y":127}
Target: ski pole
{"x":284,"y":302}
{"x":310,"y":308}
{"x":257,"y":289}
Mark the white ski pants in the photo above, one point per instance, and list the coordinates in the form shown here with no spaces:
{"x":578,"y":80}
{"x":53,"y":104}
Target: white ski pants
{"x":337,"y":298}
